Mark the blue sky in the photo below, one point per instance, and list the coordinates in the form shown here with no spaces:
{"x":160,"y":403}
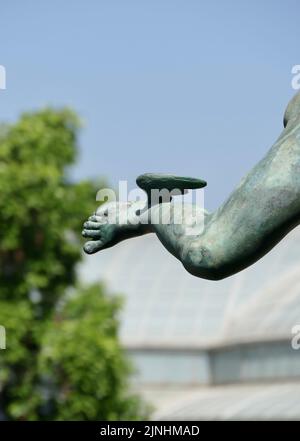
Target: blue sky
{"x":190,"y":87}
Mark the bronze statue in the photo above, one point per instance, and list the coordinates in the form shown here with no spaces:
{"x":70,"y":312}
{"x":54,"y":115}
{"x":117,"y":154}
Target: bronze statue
{"x":257,"y":215}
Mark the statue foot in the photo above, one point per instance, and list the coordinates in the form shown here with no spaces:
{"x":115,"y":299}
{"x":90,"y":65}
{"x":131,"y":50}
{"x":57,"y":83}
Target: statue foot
{"x":112,"y":223}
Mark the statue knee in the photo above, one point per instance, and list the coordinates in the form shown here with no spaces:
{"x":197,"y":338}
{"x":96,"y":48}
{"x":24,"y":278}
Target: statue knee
{"x":200,"y":261}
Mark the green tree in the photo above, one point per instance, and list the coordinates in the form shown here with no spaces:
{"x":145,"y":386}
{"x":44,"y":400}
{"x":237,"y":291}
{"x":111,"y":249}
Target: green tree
{"x":63,"y":359}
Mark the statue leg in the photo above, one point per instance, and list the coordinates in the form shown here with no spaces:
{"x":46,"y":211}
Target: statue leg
{"x":257,"y":215}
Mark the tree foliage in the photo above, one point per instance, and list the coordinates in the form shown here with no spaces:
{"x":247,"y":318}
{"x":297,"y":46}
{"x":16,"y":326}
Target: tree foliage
{"x":63,"y":359}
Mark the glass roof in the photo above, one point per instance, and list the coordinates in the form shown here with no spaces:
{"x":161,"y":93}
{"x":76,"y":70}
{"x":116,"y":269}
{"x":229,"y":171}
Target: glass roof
{"x":279,"y":401}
